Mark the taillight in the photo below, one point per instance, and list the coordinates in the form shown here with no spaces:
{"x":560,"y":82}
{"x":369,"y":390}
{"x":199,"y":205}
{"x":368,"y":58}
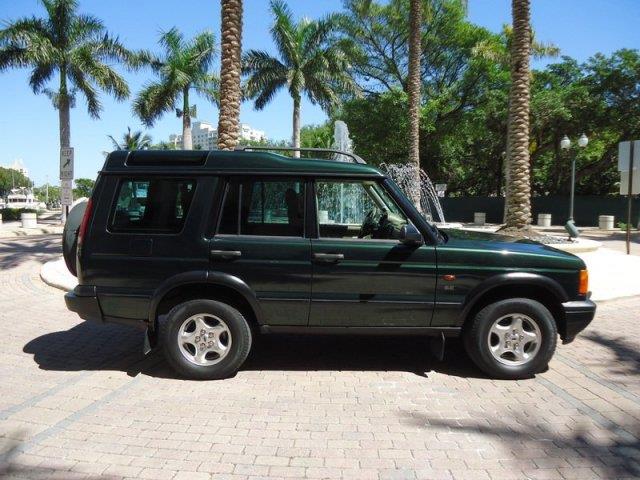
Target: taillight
{"x":85,"y":221}
{"x":583,"y":284}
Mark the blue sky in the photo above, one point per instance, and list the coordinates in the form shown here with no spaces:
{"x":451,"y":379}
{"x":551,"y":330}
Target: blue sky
{"x":29,"y":124}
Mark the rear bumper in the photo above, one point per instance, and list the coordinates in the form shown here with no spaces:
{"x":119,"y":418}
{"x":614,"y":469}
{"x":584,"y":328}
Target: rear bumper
{"x":577,"y":315}
{"x":84,"y":301}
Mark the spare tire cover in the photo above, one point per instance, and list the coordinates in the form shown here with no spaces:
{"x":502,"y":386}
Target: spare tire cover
{"x":70,"y":234}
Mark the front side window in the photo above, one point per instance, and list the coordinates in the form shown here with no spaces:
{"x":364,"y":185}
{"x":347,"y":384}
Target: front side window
{"x":357,"y":209}
{"x":158,"y":205}
{"x":269,"y":207}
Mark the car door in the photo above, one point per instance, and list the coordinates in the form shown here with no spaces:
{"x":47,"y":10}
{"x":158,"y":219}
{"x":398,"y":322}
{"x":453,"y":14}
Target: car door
{"x":261,"y":240}
{"x":146,"y":228}
{"x":362,"y":275}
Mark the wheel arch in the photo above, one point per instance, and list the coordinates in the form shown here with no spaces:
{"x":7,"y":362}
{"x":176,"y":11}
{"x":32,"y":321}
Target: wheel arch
{"x":205,"y":284}
{"x":516,"y":285}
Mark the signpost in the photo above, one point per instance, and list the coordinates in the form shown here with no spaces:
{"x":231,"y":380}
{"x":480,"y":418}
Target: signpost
{"x":66,"y":192}
{"x":628,"y":161}
{"x":66,"y":179}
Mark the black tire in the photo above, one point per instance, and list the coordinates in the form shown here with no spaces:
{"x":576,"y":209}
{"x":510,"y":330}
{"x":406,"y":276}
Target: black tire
{"x":477,"y":337}
{"x":239,"y":334}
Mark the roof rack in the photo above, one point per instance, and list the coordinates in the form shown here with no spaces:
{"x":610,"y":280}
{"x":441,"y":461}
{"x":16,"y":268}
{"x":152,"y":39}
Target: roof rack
{"x":356,"y":158}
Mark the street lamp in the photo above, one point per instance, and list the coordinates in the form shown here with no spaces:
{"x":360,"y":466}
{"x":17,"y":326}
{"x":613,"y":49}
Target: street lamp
{"x":565,"y":144}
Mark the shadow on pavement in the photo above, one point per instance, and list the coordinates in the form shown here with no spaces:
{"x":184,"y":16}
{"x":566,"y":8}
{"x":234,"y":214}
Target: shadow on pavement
{"x":617,"y":459}
{"x":10,"y":468}
{"x":14,"y":252}
{"x":89,"y":346}
{"x":627,"y":356}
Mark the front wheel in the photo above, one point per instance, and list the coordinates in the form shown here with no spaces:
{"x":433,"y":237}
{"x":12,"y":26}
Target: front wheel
{"x":205,"y":339}
{"x":512,"y":339}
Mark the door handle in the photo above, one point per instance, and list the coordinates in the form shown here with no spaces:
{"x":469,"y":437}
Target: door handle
{"x":328,"y":257}
{"x":225,"y":254}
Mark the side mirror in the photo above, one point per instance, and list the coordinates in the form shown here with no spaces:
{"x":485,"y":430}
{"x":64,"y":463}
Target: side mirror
{"x":409,"y":235}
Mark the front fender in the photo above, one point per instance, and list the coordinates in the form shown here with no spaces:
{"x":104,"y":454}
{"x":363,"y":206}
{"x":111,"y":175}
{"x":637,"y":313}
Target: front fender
{"x":512,"y":279}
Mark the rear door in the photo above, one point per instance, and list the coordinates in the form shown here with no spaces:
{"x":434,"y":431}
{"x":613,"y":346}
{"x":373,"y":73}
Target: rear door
{"x":362,"y":275}
{"x":261,"y":239}
{"x":147,"y":228}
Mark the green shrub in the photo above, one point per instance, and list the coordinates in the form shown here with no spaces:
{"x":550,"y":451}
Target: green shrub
{"x":13,"y":214}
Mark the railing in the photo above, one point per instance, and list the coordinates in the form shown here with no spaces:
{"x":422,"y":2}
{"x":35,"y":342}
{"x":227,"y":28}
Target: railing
{"x":356,"y":158}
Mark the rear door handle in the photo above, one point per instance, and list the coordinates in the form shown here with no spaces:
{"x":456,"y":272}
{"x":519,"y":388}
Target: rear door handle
{"x":225,"y":254}
{"x":328,"y":257}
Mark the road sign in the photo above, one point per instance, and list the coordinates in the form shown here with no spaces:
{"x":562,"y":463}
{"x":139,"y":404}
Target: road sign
{"x":66,"y":192}
{"x":624,"y":156}
{"x":66,"y":163}
{"x":624,"y":183}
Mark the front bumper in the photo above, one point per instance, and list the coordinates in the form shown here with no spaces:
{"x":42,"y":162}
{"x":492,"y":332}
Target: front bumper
{"x":577,"y":315}
{"x":84,"y":301}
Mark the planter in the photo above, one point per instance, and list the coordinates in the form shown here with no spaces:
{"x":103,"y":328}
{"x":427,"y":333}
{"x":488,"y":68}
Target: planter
{"x":479,"y":218}
{"x":544,"y":219}
{"x":605,"y":222}
{"x":29,"y":220}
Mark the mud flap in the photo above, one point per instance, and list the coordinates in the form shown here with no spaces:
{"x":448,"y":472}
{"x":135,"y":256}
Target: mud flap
{"x":436,"y":346}
{"x":150,"y":341}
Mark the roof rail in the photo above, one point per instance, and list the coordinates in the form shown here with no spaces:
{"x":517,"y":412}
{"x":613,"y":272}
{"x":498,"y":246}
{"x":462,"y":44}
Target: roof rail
{"x":356,"y":158}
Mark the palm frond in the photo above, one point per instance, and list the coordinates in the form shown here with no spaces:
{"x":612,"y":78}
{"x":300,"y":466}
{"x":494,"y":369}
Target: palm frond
{"x":40,"y":75}
{"x":284,"y":32}
{"x":80,"y":81}
{"x":154,"y":100}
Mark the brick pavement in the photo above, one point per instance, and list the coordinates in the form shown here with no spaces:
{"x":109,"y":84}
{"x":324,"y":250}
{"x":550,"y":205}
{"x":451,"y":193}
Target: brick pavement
{"x":81,"y":401}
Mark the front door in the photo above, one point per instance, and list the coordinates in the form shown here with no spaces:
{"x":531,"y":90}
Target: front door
{"x":261,"y":240}
{"x":362,"y":275}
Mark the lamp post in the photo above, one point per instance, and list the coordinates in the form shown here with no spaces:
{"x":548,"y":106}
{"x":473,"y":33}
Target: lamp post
{"x":565,"y":144}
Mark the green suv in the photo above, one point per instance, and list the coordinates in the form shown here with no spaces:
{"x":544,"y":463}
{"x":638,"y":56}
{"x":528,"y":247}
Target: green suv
{"x":205,"y":250}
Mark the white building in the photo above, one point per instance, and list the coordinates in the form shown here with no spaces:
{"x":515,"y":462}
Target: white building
{"x":204,"y":136}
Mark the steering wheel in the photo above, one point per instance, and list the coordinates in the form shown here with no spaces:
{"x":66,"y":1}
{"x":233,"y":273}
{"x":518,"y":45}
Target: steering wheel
{"x":369,"y":224}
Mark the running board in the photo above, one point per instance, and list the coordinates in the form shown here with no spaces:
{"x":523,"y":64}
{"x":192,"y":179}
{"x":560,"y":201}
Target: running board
{"x":305,"y":330}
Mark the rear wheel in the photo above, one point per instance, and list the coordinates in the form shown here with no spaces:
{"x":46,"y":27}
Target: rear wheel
{"x":205,"y":339}
{"x":512,"y":339}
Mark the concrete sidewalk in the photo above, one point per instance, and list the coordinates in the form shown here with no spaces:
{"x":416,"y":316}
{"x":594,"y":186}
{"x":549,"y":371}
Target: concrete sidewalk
{"x":15,"y":229}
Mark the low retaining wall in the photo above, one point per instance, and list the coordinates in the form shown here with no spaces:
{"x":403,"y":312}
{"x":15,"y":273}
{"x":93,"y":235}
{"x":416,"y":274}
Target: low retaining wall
{"x":586,"y":209}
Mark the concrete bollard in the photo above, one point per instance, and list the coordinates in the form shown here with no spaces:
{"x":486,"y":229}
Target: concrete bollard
{"x":605,"y":222}
{"x":29,"y":220}
{"x":479,"y":218}
{"x":544,"y":219}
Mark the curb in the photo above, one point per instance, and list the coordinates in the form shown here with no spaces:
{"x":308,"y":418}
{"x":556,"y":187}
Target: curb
{"x":55,"y":274}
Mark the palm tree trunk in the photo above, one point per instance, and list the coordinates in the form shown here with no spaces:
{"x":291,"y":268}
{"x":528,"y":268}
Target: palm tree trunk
{"x":230,"y":72}
{"x":296,"y":125}
{"x":519,"y":188}
{"x":187,"y":142}
{"x":414,"y":81}
{"x":64,"y":122}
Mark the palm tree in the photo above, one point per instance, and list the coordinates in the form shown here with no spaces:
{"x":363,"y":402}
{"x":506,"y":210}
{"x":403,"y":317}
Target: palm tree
{"x":132,"y":141}
{"x":518,"y":199}
{"x":230,"y":74}
{"x":414,"y":81}
{"x":74,"y":46}
{"x":309,"y":64}
{"x":184,"y":67}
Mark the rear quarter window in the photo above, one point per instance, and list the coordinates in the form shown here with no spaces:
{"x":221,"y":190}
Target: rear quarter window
{"x":151,"y":205}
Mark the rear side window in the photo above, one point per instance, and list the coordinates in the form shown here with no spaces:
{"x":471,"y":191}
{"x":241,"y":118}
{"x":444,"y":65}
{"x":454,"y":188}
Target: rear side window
{"x":265,"y":207}
{"x":158,"y":205}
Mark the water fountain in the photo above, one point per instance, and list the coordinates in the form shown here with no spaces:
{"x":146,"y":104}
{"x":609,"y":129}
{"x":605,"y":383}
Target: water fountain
{"x":401,"y":173}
